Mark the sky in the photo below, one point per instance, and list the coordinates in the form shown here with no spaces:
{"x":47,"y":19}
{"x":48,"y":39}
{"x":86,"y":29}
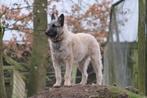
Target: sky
{"x":127,"y":16}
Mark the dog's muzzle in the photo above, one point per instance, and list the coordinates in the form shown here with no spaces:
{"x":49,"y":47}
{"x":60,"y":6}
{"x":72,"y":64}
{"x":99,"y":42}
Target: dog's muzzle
{"x":51,"y":34}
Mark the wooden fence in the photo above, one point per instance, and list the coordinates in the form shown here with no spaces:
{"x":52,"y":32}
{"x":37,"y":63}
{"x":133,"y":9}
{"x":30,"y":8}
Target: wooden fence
{"x":15,"y":85}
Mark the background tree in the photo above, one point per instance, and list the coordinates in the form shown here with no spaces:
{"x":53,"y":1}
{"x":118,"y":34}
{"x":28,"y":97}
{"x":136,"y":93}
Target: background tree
{"x":37,"y":76}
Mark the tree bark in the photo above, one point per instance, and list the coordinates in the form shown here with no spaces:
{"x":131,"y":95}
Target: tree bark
{"x":2,"y":82}
{"x":38,"y":63}
{"x":146,"y":49}
{"x":142,"y":61}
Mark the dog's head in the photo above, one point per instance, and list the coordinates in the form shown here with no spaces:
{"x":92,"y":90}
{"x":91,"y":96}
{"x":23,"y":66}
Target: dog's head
{"x":55,"y":28}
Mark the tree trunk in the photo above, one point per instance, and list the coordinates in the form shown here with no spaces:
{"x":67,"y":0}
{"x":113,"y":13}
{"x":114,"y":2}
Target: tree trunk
{"x":142,"y":61}
{"x":146,"y":49}
{"x":37,"y":77}
{"x":2,"y":83}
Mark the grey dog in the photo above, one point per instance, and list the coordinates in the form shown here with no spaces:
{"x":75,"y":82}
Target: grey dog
{"x":72,"y":49}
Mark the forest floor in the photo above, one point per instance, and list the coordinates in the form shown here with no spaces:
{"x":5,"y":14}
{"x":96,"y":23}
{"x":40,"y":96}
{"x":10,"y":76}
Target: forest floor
{"x":88,"y":91}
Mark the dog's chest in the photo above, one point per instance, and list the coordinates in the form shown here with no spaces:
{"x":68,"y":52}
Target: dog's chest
{"x":57,"y":47}
{"x":60,"y":51}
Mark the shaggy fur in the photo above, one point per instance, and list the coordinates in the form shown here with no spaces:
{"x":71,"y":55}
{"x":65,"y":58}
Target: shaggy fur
{"x":73,"y":49}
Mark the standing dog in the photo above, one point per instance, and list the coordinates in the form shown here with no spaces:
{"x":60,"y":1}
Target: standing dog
{"x":69,"y":49}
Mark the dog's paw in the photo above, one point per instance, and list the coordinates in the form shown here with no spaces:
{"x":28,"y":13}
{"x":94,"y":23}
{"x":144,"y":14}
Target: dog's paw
{"x":67,"y":84}
{"x":56,"y":85}
{"x":83,"y":83}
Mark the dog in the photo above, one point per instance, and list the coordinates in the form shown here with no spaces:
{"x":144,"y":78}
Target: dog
{"x":72,"y":49}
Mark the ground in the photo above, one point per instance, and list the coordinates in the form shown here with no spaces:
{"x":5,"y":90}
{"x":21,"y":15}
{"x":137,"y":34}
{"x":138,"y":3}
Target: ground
{"x":88,"y":91}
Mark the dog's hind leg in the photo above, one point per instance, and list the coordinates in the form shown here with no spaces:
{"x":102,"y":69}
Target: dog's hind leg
{"x":83,"y":65}
{"x":97,"y":66}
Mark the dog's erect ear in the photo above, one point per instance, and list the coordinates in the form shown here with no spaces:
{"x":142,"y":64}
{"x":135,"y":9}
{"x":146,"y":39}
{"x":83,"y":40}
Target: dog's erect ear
{"x":53,"y":17}
{"x":61,"y":19}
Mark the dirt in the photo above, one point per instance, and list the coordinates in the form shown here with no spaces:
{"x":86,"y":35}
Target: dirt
{"x":78,"y":91}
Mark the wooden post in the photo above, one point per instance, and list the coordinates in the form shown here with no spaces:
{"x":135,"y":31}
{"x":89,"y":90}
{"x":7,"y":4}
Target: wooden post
{"x":141,"y":47}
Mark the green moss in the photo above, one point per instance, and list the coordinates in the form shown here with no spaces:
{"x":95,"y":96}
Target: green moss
{"x":116,"y":90}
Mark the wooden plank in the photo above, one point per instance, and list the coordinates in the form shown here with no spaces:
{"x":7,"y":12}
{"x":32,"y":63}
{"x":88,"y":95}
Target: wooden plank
{"x":18,"y":86}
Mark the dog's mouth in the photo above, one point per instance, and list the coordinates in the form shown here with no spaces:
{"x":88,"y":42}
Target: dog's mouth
{"x":56,"y":37}
{"x":51,"y":34}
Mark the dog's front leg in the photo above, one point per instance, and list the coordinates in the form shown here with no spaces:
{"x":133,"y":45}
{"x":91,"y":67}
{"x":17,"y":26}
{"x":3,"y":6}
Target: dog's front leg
{"x":68,"y":72}
{"x":58,"y":76}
